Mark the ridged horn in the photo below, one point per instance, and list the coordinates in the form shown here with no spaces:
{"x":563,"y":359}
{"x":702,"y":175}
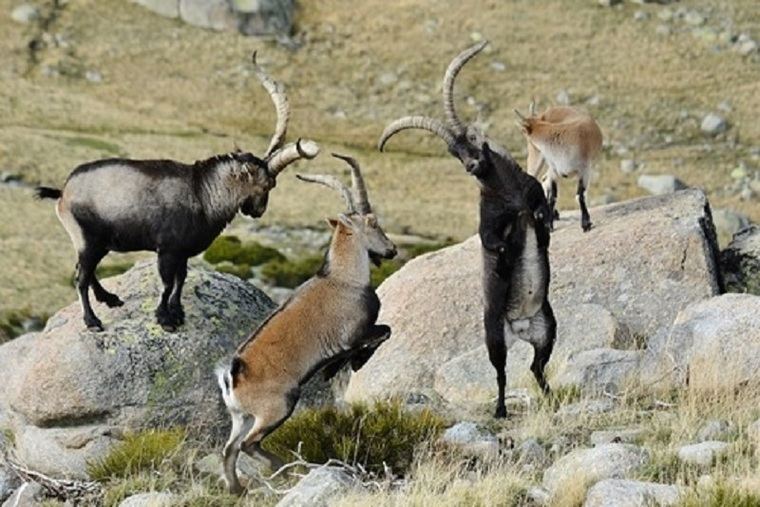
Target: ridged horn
{"x":277,"y":93}
{"x":290,"y":153}
{"x":416,"y":122}
{"x":454,"y":123}
{"x":334,"y":183}
{"x":358,"y":187}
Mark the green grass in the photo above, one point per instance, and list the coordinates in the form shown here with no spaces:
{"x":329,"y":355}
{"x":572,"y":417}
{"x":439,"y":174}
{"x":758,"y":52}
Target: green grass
{"x":96,"y":144}
{"x":291,"y":273}
{"x":242,"y":271}
{"x":143,"y":450}
{"x":366,"y":434}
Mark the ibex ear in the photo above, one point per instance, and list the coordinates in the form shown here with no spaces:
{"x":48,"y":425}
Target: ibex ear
{"x":343,"y":219}
{"x":486,"y":152}
{"x":331,"y":222}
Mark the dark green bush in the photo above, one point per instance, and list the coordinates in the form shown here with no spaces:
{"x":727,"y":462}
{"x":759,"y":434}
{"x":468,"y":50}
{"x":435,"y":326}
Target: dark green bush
{"x":144,"y":450}
{"x":378,"y":274}
{"x":287,"y":273}
{"x":242,"y":271}
{"x":366,"y":434}
{"x":231,"y":249}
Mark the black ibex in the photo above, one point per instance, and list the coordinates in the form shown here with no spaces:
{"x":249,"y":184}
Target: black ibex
{"x":514,"y":233}
{"x":329,"y":320}
{"x":168,"y":207}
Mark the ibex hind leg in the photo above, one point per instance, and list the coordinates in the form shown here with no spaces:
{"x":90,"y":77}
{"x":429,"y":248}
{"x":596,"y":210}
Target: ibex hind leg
{"x":269,"y":417}
{"x":543,"y":334}
{"x":241,"y":425}
{"x":88,"y":260}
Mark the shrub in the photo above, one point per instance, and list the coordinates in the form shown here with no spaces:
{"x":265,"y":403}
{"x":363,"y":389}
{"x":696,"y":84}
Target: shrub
{"x":369,"y":435}
{"x":286,"y":273}
{"x":242,"y":271}
{"x":143,"y":450}
{"x":231,"y":249}
{"x":378,"y":274}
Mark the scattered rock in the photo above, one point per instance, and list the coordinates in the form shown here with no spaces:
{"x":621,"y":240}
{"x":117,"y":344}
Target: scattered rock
{"x":318,"y":488}
{"x":532,"y":454}
{"x":659,"y":184}
{"x":589,"y":466}
{"x":539,"y":495}
{"x":747,"y":47}
{"x":28,"y":494}
{"x":616,"y":436}
{"x":727,"y":224}
{"x":640,"y":16}
{"x":25,"y":13}
{"x":166,"y":8}
{"x":694,"y":18}
{"x":590,"y":406}
{"x":9,"y":481}
{"x":153,"y":499}
{"x":703,"y":453}
{"x":498,"y":66}
{"x":93,"y":76}
{"x":627,"y":165}
{"x":635,"y":246}
{"x":713,"y":124}
{"x":600,"y":370}
{"x":472,"y":440}
{"x":714,"y":344}
{"x":740,"y":261}
{"x":627,"y":493}
{"x":713,"y":429}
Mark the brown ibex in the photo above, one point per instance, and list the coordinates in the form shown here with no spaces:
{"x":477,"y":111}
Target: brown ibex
{"x":568,"y":140}
{"x":329,"y":320}
{"x":168,"y":207}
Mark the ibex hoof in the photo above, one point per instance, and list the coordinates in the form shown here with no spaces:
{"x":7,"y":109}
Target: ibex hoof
{"x":501,"y":412}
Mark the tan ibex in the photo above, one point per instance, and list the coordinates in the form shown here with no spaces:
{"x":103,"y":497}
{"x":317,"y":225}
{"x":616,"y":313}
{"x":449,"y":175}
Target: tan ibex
{"x":568,"y":140}
{"x":329,"y":320}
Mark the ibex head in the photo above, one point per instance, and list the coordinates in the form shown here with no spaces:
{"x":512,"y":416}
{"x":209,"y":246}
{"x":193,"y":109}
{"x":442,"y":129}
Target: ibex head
{"x":262,"y":172}
{"x":464,"y":141}
{"x":358,"y":220}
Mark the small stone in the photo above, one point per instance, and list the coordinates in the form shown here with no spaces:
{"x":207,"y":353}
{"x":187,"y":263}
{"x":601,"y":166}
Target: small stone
{"x":694,"y":18}
{"x":93,"y":76}
{"x":472,"y":439}
{"x":318,"y":488}
{"x":640,"y":16}
{"x":725,"y":106}
{"x":746,"y":48}
{"x":702,"y":453}
{"x":24,"y":13}
{"x":539,"y":495}
{"x":659,"y":184}
{"x":622,"y":492}
{"x":713,"y":430}
{"x":498,"y":66}
{"x":563,"y":97}
{"x":627,"y":165}
{"x":153,"y":499}
{"x":532,"y":453}
{"x":713,"y":124}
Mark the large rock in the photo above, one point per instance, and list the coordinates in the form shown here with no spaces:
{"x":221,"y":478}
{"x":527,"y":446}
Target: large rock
{"x":588,"y":466}
{"x":703,"y":453}
{"x":612,"y":288}
{"x":713,"y":344}
{"x":71,"y":392}
{"x":740,"y":262}
{"x":319,"y":488}
{"x":154,"y":499}
{"x":626,"y":493}
{"x":250,"y":17}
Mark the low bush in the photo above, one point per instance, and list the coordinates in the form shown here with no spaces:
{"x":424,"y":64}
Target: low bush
{"x":231,"y":249}
{"x":291,"y":274}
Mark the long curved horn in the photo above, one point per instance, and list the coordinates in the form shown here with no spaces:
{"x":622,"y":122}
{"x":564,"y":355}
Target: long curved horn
{"x":290,"y":153}
{"x":277,"y":93}
{"x":358,"y":188}
{"x":416,"y":122}
{"x":334,"y":183}
{"x":455,"y":124}
{"x":532,"y":107}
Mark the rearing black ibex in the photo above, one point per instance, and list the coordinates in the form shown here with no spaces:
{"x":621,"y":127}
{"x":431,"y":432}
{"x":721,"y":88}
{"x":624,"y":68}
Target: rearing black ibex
{"x":168,"y":207}
{"x":514,"y":233}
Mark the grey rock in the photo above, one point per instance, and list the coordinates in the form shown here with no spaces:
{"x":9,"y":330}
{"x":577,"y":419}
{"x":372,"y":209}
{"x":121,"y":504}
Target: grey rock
{"x":747,"y":47}
{"x":24,"y":13}
{"x":166,"y":8}
{"x":319,"y":488}
{"x":213,"y":14}
{"x":713,"y":429}
{"x":713,"y":124}
{"x":740,"y":261}
{"x":600,"y":370}
{"x":498,"y":66}
{"x":714,"y":344}
{"x":154,"y":499}
{"x":703,"y":453}
{"x":640,"y":16}
{"x":93,"y":76}
{"x":532,"y":453}
{"x":539,"y":495}
{"x":609,"y":3}
{"x":620,"y":435}
{"x":628,"y":493}
{"x":589,"y":466}
{"x":588,"y":406}
{"x":727,"y":224}
{"x":472,"y":439}
{"x":28,"y":494}
{"x":627,"y":165}
{"x":694,"y":18}
{"x":643,"y":261}
{"x":132,"y":375}
{"x":9,"y":481}
{"x":659,"y":184}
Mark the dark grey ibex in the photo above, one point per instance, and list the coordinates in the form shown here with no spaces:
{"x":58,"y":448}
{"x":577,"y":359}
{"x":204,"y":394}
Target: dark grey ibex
{"x":168,"y":207}
{"x":515,"y":220}
{"x":330,"y":320}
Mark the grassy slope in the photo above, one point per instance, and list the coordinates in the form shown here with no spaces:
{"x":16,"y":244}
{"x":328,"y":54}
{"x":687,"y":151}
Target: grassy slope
{"x":171,"y":90}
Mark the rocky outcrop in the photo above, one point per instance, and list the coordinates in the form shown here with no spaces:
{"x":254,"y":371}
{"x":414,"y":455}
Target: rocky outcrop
{"x":71,"y":393}
{"x":612,"y":289}
{"x":249,"y":17}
